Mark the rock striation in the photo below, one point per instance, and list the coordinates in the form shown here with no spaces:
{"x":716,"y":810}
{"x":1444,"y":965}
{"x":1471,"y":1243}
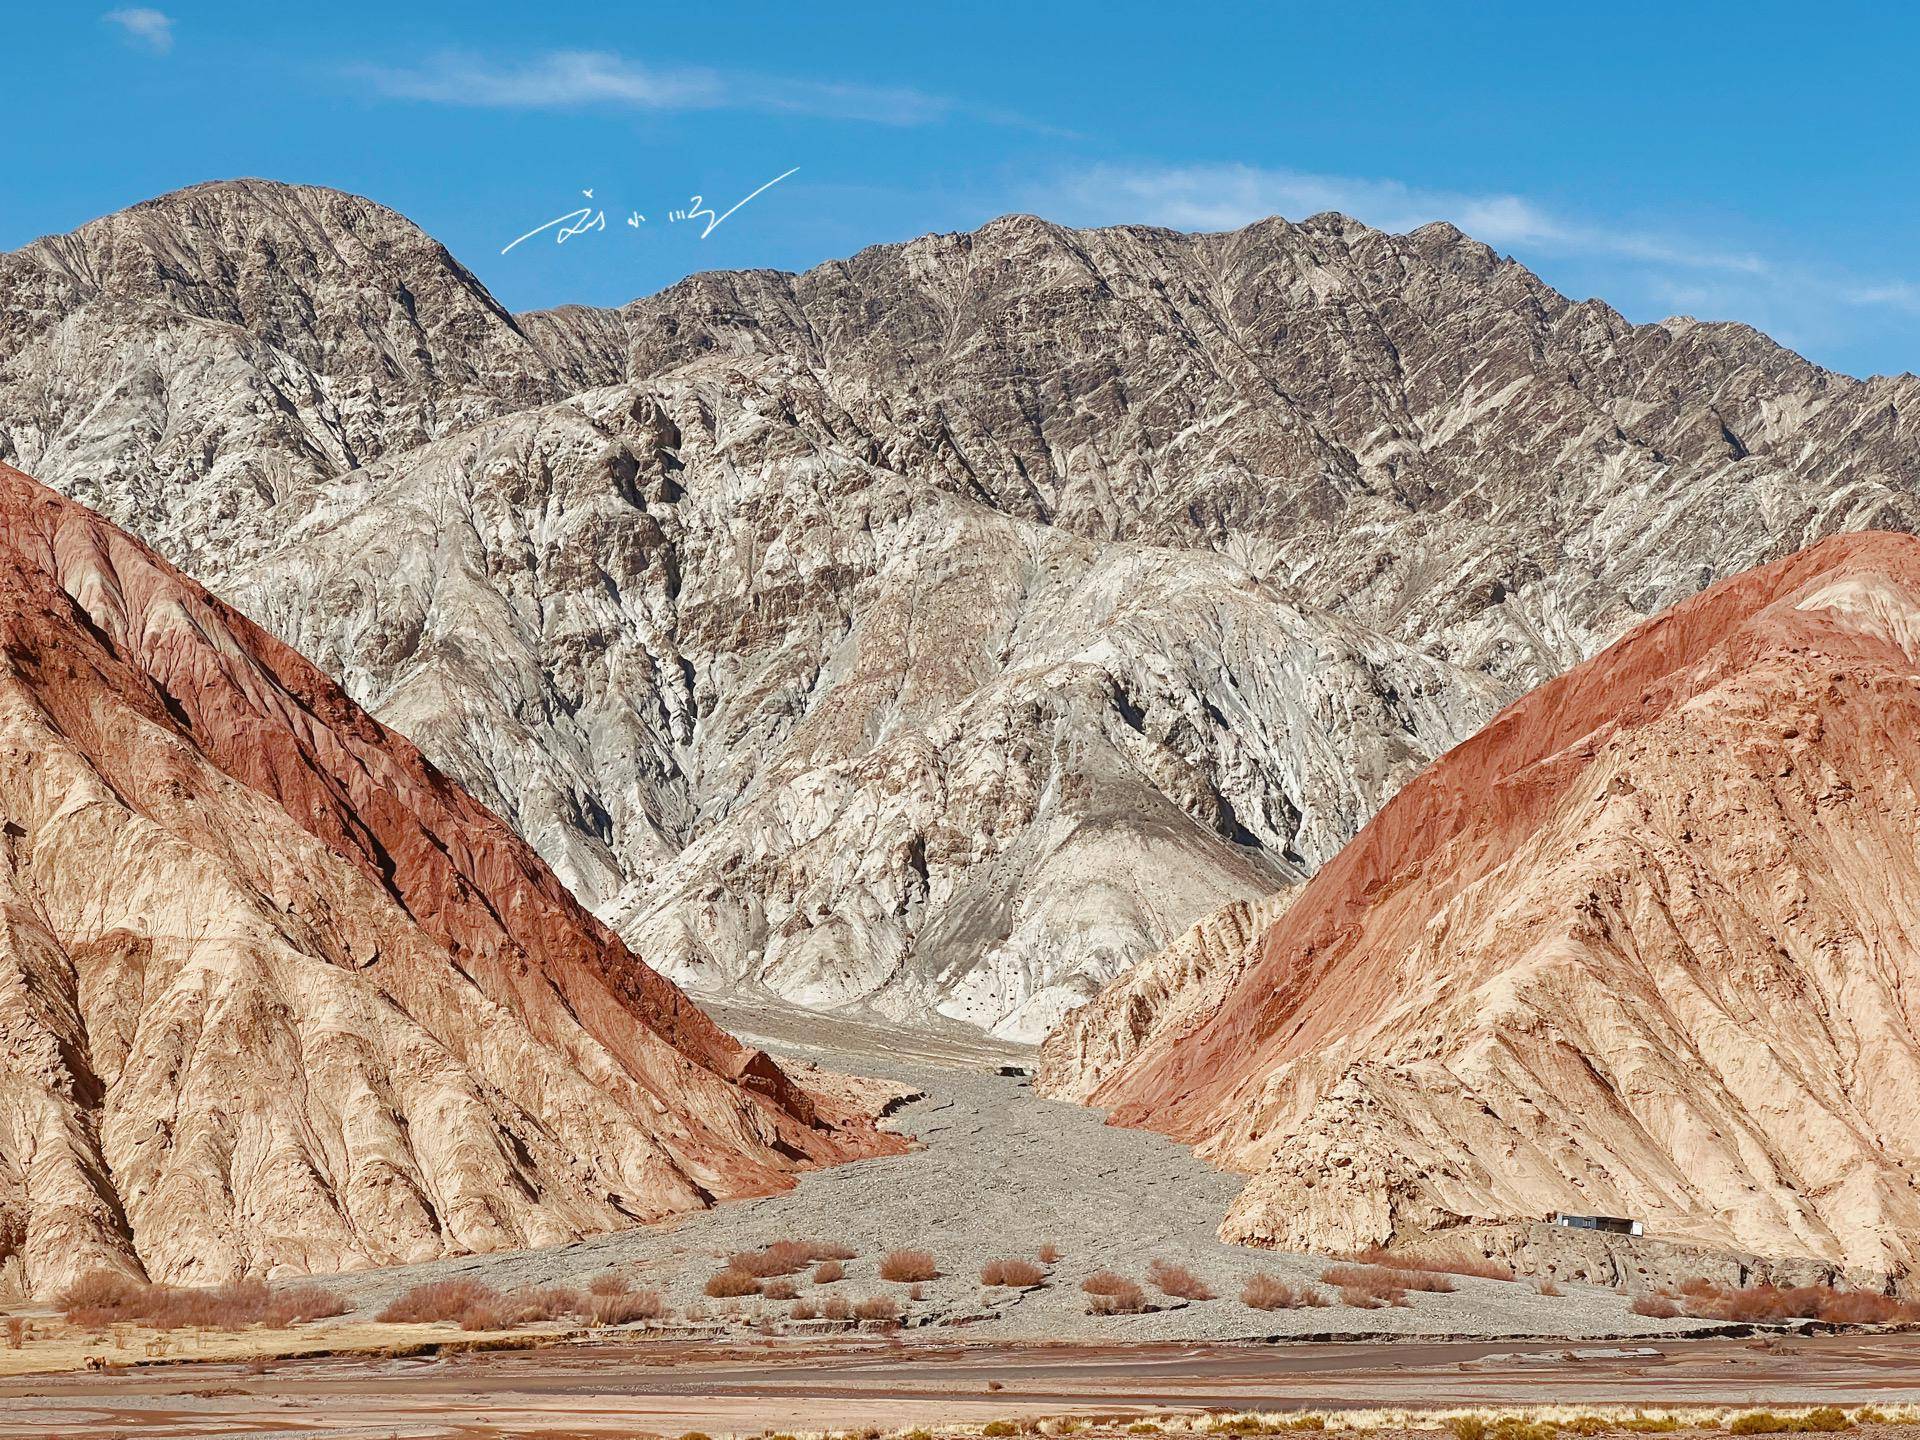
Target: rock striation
{"x":1642,"y":946}
{"x":276,"y":996}
{"x":940,"y":631}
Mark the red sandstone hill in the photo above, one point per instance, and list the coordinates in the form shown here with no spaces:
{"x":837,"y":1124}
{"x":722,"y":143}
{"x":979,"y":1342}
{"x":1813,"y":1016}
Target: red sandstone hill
{"x":1648,"y":944}
{"x":277,"y":995}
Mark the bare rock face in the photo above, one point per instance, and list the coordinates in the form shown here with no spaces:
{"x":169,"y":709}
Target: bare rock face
{"x":941,"y":631}
{"x":183,"y":365}
{"x":276,"y":996}
{"x":1640,"y":947}
{"x":1168,"y":993}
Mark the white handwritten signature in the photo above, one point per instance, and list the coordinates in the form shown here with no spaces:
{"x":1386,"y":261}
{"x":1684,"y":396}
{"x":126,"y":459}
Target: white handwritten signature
{"x":588,"y":217}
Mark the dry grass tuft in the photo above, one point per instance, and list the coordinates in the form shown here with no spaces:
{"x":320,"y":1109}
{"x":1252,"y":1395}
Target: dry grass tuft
{"x":828,"y":1271}
{"x":1657,"y":1307}
{"x":786,"y":1257}
{"x":1011,"y":1272}
{"x":1368,"y":1287}
{"x":803,"y":1310}
{"x":909,"y":1265}
{"x":780,"y":1289}
{"x":1050,"y":1254}
{"x":1178,"y":1281}
{"x":1547,"y":1287}
{"x":1477,"y":1267}
{"x":882,"y":1308}
{"x":838,"y":1307}
{"x":730,"y":1283}
{"x":1269,"y":1292}
{"x":1111,"y":1294}
{"x":626,"y":1307}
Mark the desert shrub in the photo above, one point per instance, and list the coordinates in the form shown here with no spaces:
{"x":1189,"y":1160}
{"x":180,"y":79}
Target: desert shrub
{"x":1372,"y":1277}
{"x":782,"y":1257}
{"x":877,"y":1307}
{"x":1368,"y":1287}
{"x":105,"y":1298}
{"x":1709,"y":1301}
{"x":907,"y":1265}
{"x":1825,"y":1419}
{"x":838,"y":1307}
{"x":483,"y":1317}
{"x":609,"y":1282}
{"x":16,"y":1331}
{"x":999,"y":1428}
{"x":1513,"y":1427}
{"x":1648,"y":1424}
{"x":1658,"y":1307}
{"x":1548,"y":1288}
{"x":729,"y":1283}
{"x":1588,"y":1425}
{"x":1178,"y":1281}
{"x":916,"y":1292}
{"x":804,"y":1310}
{"x":532,"y":1304}
{"x":1467,"y":1427}
{"x":828,"y":1271}
{"x":439,"y":1300}
{"x":1475,"y":1266}
{"x":780,"y":1289}
{"x":1050,"y":1253}
{"x":1111,"y":1294}
{"x":302,"y":1302}
{"x":1011,"y":1272}
{"x":1269,"y":1292}
{"x":101,"y":1297}
{"x":626,"y":1307}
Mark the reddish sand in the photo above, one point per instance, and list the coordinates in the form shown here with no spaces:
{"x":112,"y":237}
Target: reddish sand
{"x":605,"y":1391}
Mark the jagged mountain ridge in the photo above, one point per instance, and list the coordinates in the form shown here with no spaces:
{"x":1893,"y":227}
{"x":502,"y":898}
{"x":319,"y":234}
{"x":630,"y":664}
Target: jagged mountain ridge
{"x":276,"y":996}
{"x":943,"y":629}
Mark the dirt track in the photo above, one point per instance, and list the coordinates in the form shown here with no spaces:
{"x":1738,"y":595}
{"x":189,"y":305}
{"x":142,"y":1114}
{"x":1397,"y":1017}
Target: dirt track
{"x":603,"y":1391}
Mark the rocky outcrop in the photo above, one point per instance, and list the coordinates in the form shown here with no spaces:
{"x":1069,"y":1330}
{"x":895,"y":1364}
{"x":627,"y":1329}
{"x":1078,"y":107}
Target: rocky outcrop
{"x":1642,"y":946}
{"x":1169,"y":992}
{"x":943,"y":630}
{"x":185,"y":365}
{"x":276,"y":996}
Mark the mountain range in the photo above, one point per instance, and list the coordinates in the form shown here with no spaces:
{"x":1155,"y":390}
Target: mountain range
{"x":939,"y":632}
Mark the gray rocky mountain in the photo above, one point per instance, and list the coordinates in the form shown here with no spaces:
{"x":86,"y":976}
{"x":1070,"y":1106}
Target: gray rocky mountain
{"x":941,"y":630}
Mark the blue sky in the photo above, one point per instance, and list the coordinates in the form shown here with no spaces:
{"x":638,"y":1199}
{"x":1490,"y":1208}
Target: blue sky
{"x":1750,"y":162}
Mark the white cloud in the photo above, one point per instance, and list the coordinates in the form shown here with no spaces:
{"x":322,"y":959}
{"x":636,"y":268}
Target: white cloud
{"x":571,"y":79}
{"x":1900,"y":295}
{"x":147,"y":27}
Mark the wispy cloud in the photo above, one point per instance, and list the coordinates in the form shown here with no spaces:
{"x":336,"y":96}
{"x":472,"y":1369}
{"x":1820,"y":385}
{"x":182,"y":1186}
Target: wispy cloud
{"x":1225,"y":197}
{"x":577,"y":79}
{"x":144,"y":26}
{"x":1898,"y":296}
